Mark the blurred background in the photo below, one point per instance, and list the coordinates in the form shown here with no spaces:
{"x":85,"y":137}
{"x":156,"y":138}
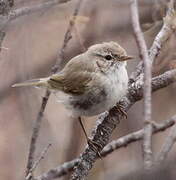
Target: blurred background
{"x":30,"y":48}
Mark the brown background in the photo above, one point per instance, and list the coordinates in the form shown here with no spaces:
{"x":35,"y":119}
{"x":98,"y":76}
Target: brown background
{"x":33,"y":42}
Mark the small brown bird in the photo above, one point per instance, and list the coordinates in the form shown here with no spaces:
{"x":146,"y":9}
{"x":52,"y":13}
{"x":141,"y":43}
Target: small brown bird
{"x":92,"y":82}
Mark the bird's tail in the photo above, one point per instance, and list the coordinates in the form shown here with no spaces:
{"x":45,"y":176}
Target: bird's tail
{"x":43,"y":82}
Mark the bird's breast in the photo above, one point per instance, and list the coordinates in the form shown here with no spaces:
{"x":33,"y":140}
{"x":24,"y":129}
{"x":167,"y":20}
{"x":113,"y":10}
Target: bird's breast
{"x":117,"y":85}
{"x":105,"y":92}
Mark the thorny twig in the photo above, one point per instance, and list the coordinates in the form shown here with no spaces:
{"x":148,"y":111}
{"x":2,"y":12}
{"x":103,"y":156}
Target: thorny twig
{"x":147,"y":138}
{"x":38,"y":121}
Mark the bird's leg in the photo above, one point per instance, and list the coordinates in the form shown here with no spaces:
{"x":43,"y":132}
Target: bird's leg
{"x":121,"y":110}
{"x":90,"y":142}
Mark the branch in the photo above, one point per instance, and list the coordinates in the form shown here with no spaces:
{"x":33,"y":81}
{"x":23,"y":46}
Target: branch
{"x":147,"y":138}
{"x":67,"y":37}
{"x":135,"y":136}
{"x":14,"y":14}
{"x":107,"y":122}
{"x":170,"y":140}
{"x":5,"y":7}
{"x":38,"y":121}
{"x":169,"y":26}
{"x":35,"y":134}
{"x":108,"y":149}
{"x":58,"y":171}
{"x":36,"y":163}
{"x":136,"y":92}
{"x":2,"y":36}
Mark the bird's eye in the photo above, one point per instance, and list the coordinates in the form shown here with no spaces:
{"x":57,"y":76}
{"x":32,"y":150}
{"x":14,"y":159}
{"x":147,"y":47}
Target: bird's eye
{"x":108,"y":57}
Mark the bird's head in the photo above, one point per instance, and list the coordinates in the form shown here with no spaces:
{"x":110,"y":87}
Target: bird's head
{"x":109,"y":52}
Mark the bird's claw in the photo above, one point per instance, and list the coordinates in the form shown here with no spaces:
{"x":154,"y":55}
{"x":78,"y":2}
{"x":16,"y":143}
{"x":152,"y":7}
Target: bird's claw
{"x":121,"y":110}
{"x":95,"y":146}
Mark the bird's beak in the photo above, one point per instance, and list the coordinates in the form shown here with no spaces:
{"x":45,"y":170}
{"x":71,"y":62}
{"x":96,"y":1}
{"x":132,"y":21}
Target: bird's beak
{"x":126,"y":58}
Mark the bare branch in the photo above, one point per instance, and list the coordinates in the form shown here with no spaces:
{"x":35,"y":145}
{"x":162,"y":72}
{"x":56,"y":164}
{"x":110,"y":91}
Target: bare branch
{"x":12,"y":15}
{"x":79,"y":38}
{"x":35,"y":133}
{"x":67,"y":37}
{"x":5,"y":7}
{"x":36,"y":163}
{"x":158,"y":82}
{"x":4,"y":20}
{"x":58,"y":171}
{"x":169,"y":26}
{"x":147,"y":138}
{"x":38,"y":121}
{"x":167,"y":146}
{"x":108,"y":149}
{"x":2,"y":36}
{"x":135,"y":136}
{"x":107,"y":122}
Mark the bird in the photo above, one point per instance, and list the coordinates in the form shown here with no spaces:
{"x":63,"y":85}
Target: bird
{"x":90,"y":83}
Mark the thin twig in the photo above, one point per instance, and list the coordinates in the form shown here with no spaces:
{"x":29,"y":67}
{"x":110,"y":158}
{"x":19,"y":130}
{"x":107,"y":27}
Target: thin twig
{"x":167,"y":146}
{"x":147,"y":139}
{"x":35,"y":132}
{"x":38,"y":121}
{"x":79,"y":38}
{"x":135,"y":136}
{"x":108,"y":149}
{"x":58,"y":171}
{"x":2,"y":36}
{"x":67,"y":37}
{"x":169,"y":26}
{"x":36,"y":163}
{"x":5,"y":8}
{"x":14,"y":14}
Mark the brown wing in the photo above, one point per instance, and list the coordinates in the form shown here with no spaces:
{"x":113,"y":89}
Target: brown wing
{"x":74,"y":78}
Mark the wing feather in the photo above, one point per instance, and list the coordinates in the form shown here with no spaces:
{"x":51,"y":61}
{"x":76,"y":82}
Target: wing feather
{"x":75,"y":77}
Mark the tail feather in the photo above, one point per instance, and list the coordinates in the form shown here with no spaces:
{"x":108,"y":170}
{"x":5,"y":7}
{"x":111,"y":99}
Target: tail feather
{"x":33,"y":82}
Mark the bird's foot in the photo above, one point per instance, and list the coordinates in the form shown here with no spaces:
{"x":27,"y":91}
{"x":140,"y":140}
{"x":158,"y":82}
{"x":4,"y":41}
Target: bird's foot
{"x":95,"y":146}
{"x":121,"y":110}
